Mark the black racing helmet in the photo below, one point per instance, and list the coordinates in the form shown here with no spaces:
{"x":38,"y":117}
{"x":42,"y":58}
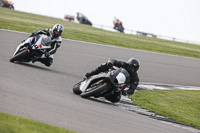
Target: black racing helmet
{"x":57,"y":30}
{"x":134,"y":65}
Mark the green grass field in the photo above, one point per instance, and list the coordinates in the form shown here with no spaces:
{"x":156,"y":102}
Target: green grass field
{"x":15,"y":124}
{"x":26,"y":22}
{"x":180,"y":105}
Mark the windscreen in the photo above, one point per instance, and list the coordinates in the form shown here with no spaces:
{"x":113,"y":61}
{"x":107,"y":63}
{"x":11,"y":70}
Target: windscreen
{"x":46,"y":41}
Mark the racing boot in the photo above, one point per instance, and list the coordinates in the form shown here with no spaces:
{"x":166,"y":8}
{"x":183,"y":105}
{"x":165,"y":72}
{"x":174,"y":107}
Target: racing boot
{"x":45,"y":61}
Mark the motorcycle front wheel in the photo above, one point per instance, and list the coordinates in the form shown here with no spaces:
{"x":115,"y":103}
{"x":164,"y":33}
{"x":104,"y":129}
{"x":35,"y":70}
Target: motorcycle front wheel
{"x":93,"y":91}
{"x":20,"y":56}
{"x":76,"y":88}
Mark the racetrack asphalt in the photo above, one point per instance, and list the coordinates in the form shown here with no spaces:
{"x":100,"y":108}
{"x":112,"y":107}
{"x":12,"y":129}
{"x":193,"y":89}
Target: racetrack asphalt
{"x":45,"y":93}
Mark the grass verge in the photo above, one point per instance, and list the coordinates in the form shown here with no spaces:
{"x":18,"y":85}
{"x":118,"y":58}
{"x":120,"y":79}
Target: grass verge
{"x":20,"y":21}
{"x":15,"y":124}
{"x":179,"y":105}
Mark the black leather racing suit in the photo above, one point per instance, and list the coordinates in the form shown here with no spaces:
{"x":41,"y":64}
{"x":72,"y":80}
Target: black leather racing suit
{"x":134,"y":78}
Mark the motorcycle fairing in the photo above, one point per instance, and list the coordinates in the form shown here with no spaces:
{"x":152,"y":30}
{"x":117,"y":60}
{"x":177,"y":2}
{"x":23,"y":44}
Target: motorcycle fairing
{"x":121,"y":78}
{"x":84,"y":85}
{"x":40,"y":42}
{"x":114,"y":73}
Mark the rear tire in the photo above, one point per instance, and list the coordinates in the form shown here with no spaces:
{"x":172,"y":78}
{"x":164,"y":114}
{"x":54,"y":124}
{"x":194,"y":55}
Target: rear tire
{"x":95,"y":91}
{"x":19,"y":56}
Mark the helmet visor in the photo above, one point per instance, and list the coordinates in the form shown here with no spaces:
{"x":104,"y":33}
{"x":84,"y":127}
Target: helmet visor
{"x":56,"y":33}
{"x":133,"y":69}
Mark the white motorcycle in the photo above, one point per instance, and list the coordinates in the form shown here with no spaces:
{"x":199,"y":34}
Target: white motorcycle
{"x":32,"y":49}
{"x":103,"y":85}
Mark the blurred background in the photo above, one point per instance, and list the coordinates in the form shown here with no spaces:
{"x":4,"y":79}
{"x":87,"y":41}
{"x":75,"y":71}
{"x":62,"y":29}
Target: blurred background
{"x":177,"y":20}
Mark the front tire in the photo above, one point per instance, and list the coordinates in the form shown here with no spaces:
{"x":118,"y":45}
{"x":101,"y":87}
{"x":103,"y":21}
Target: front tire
{"x":76,"y":88}
{"x":20,"y":56}
{"x":92,"y":92}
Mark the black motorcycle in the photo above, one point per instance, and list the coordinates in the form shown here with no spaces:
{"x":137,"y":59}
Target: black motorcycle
{"x":103,"y":85}
{"x":120,"y":28}
{"x":32,"y":49}
{"x":86,"y":21}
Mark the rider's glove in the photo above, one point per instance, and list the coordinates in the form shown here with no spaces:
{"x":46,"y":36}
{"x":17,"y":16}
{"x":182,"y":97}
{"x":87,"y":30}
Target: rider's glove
{"x":110,"y":65}
{"x":87,"y":75}
{"x":130,"y":91}
{"x":48,"y":34}
{"x":32,"y":34}
{"x":124,"y":92}
{"x":47,"y":54}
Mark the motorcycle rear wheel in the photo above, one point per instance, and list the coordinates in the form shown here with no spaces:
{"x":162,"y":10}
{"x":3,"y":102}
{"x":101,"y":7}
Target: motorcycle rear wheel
{"x":95,"y":91}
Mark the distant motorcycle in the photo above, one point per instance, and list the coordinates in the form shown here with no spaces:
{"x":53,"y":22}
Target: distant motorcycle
{"x":32,"y":49}
{"x":120,"y":28}
{"x":103,"y":85}
{"x":86,"y":21}
{"x":83,"y":19}
{"x":8,"y":4}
